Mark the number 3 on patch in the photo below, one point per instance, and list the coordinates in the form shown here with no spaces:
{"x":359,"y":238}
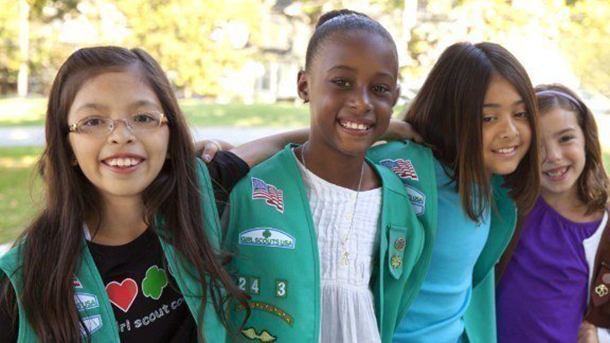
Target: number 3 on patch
{"x":281,"y":288}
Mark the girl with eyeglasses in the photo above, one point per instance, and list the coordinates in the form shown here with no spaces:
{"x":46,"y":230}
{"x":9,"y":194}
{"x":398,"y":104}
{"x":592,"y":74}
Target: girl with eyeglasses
{"x":126,"y":248}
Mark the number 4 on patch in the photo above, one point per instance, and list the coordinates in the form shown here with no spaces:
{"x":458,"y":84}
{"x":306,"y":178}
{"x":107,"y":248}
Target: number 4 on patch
{"x":281,"y":288}
{"x":254,"y":285}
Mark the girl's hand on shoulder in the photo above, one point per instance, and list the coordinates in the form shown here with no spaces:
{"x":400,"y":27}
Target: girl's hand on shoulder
{"x":587,"y":333}
{"x":400,"y":130}
{"x":208,"y":148}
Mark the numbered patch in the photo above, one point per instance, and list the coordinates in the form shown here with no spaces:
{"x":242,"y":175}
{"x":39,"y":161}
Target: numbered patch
{"x":249,"y":284}
{"x":254,"y":286}
{"x":281,"y":288}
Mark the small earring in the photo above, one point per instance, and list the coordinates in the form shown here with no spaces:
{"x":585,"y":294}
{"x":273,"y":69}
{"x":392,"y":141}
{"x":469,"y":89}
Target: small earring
{"x":73,"y":161}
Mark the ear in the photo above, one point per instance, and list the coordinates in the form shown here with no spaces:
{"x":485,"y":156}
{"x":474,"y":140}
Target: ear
{"x":396,"y":95}
{"x":303,"y":85}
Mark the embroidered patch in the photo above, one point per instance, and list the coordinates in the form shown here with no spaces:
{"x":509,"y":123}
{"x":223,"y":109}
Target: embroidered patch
{"x":254,"y":285}
{"x":92,"y":324}
{"x":404,"y":169}
{"x":257,"y":305}
{"x":267,"y":237}
{"x":601,"y":290}
{"x":273,"y":196}
{"x":417,"y":199}
{"x":76,"y":283}
{"x":399,"y":244}
{"x":85,"y":301}
{"x":154,"y":283}
{"x":281,"y":288}
{"x":264,"y":336}
{"x":396,"y":261}
{"x":122,"y":295}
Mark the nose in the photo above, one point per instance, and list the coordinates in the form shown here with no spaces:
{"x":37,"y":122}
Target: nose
{"x":550,"y":152}
{"x":120,"y":134}
{"x":361,"y":101}
{"x":509,"y":129}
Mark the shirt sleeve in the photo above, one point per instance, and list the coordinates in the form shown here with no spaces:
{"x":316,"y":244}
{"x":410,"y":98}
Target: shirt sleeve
{"x":9,"y":329}
{"x":225,"y":170}
{"x":603,"y":334}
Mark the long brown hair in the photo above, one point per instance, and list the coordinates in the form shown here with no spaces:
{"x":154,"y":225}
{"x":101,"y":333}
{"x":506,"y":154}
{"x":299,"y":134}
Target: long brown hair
{"x":52,"y":244}
{"x":593,"y":184}
{"x":447,"y":112}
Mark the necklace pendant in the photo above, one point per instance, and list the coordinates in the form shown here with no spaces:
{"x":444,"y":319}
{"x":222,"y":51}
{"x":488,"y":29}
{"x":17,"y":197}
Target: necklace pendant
{"x":345,"y":258}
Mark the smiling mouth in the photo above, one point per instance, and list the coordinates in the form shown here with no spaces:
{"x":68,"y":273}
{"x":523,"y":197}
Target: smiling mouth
{"x":122,"y":162}
{"x":506,"y":151}
{"x":556,"y":173}
{"x":350,"y":125}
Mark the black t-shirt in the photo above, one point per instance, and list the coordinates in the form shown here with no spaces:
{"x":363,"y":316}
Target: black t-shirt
{"x":146,"y":302}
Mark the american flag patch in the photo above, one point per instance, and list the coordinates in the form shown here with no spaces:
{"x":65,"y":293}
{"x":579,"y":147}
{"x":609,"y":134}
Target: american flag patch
{"x":404,"y":169}
{"x":273,"y":196}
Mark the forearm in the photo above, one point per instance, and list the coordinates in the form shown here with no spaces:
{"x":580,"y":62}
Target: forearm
{"x":258,"y":150}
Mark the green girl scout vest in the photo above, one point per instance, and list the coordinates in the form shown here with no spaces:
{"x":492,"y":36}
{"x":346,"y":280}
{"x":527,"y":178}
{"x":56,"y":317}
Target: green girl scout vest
{"x":479,"y":319}
{"x":414,"y":165}
{"x":271,"y":231}
{"x":90,"y":294}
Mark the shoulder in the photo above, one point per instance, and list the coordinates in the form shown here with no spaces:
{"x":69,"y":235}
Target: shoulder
{"x":13,"y":259}
{"x":398,"y":147}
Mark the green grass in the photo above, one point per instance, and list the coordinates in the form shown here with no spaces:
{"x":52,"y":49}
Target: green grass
{"x":30,"y":112}
{"x":21,"y":194}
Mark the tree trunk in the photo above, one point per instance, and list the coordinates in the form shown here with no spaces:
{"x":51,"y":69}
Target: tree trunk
{"x":24,"y":38}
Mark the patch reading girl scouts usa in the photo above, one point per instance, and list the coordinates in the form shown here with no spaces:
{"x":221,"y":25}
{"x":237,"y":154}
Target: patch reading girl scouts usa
{"x":267,"y":237}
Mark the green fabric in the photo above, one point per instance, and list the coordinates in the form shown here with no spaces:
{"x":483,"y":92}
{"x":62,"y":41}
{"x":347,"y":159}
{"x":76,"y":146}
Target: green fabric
{"x":92,"y":287}
{"x":423,"y":195}
{"x":480,"y":318}
{"x":277,"y":260}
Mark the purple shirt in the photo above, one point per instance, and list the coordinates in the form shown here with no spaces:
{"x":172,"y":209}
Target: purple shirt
{"x":542,"y":296}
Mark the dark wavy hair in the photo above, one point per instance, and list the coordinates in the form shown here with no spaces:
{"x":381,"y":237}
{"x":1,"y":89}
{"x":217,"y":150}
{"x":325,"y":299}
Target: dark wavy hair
{"x":447,"y":112}
{"x":593,"y":183}
{"x":52,"y":244}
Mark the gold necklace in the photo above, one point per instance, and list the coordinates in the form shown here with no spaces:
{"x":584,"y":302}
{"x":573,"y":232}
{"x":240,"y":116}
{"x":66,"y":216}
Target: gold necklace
{"x":344,"y":240}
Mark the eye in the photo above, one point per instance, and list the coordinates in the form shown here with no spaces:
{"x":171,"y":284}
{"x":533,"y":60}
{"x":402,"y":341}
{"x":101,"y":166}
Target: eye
{"x":566,"y":139}
{"x":145,"y":118}
{"x":488,"y":118}
{"x":341,"y":82}
{"x":381,"y":89}
{"x":93,"y":122}
{"x":521,"y":114}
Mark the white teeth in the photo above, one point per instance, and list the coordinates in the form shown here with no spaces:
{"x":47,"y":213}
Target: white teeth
{"x":354,"y":126}
{"x":506,"y":150}
{"x":558,"y":172}
{"x":123,"y":162}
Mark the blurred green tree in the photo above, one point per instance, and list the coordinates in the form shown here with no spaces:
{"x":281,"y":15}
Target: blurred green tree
{"x":195,"y":40}
{"x":586,"y":38}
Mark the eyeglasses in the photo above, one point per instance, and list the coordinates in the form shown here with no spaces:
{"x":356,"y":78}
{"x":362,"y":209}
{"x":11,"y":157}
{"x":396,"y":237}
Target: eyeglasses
{"x":103,"y":126}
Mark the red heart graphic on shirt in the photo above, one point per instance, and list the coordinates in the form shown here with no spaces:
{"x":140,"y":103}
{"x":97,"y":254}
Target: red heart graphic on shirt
{"x":123,"y":294}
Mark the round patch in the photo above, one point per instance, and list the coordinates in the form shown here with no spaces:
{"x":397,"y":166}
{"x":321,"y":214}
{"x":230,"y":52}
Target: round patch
{"x":396,"y":261}
{"x":601,"y":290}
{"x":399,"y":244}
{"x":606,"y":278}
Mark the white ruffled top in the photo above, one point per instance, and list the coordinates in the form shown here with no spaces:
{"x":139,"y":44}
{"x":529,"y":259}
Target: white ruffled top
{"x":347,"y":302}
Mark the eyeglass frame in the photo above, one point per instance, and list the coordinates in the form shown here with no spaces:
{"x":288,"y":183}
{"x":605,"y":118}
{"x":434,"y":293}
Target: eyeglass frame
{"x":74,"y":128}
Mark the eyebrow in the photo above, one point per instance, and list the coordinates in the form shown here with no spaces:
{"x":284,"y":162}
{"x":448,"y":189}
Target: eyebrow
{"x":142,"y":103}
{"x":564,"y":131}
{"x":492,"y":105}
{"x":134,"y":105}
{"x":348,"y":68}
